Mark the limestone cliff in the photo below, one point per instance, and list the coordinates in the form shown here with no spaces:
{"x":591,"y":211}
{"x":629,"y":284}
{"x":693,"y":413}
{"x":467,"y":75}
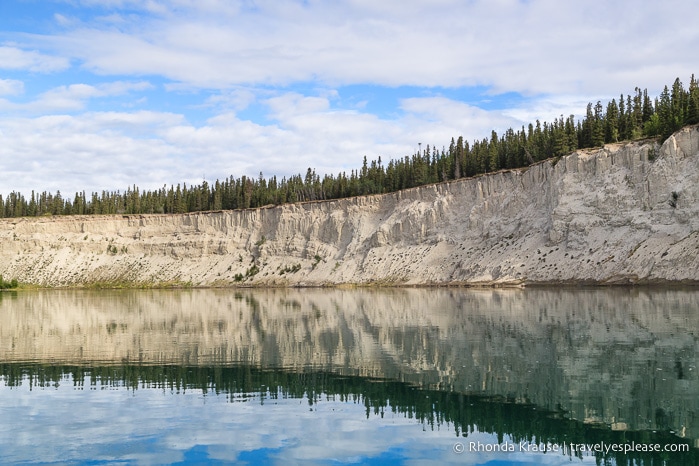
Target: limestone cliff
{"x":625,"y":213}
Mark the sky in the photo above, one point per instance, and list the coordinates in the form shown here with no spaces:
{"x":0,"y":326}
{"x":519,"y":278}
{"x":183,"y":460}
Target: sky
{"x":107,"y":94}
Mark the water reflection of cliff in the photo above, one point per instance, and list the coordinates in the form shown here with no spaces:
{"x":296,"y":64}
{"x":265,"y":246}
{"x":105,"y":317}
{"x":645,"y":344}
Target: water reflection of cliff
{"x":624,"y":357}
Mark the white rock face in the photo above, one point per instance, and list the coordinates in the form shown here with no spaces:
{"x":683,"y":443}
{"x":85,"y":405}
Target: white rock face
{"x":603,"y":216}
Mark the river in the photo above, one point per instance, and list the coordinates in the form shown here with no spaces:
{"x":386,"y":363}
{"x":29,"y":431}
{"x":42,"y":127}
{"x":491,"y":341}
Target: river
{"x":350,"y":376}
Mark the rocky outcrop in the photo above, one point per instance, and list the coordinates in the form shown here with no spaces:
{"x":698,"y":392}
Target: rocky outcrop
{"x":625,"y":213}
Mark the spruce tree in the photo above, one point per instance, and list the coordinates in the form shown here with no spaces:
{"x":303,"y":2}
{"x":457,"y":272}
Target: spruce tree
{"x":693,"y":102}
{"x":611,"y":122}
{"x":665,"y":117}
{"x":598,"y":126}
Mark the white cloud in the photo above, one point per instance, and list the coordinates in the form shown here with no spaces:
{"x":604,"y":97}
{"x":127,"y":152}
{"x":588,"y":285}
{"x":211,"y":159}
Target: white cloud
{"x":439,"y":119}
{"x":11,"y":87}
{"x":531,"y":47}
{"x":123,"y":87}
{"x":291,"y":105}
{"x":63,"y":20}
{"x":72,"y":97}
{"x":550,"y":107}
{"x":236,"y":100}
{"x":91,"y":152}
{"x":14,"y":58}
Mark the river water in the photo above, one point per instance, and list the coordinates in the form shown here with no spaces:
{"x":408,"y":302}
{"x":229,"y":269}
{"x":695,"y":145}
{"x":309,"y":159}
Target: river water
{"x":345,"y":376}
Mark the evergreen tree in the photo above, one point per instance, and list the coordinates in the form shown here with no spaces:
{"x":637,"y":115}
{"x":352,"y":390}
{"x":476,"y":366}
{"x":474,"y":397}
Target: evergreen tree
{"x":611,"y":122}
{"x":665,"y":118}
{"x":457,"y":157}
{"x":598,"y":126}
{"x":693,"y":102}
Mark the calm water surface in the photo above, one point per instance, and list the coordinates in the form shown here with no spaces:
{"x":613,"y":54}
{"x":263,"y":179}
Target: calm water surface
{"x":408,"y":376}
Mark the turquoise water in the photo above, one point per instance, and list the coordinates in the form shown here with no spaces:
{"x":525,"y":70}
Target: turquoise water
{"x":409,"y":376}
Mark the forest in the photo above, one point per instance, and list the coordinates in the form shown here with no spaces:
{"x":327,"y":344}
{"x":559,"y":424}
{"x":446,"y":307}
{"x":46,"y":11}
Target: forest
{"x":632,"y":117}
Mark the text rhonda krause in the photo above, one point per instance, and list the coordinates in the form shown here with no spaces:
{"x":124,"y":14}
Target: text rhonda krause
{"x":600,"y":447}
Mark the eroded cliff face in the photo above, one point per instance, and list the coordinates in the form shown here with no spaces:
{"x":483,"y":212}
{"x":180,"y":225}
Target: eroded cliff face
{"x":622,"y":214}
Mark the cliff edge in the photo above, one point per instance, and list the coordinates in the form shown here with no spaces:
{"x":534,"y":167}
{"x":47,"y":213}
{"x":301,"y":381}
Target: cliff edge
{"x":622,"y":214}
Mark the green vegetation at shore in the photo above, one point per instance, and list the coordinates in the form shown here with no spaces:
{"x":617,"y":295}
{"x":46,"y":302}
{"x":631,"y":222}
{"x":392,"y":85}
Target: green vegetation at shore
{"x":632,"y":117}
{"x":124,"y":284}
{"x":5,"y":285}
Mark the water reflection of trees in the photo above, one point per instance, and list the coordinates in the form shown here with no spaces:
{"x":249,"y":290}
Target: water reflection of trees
{"x":510,"y":420}
{"x":625,"y":356}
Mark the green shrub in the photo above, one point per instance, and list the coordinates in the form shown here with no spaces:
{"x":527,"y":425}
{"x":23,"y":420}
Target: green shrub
{"x":8,"y":285}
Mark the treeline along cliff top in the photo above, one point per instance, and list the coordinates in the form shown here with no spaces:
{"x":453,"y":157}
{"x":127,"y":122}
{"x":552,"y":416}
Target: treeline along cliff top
{"x":632,"y":117}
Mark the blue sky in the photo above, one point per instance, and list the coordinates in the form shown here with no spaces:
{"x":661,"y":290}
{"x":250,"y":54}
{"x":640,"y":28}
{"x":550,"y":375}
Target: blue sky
{"x":105,"y":94}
